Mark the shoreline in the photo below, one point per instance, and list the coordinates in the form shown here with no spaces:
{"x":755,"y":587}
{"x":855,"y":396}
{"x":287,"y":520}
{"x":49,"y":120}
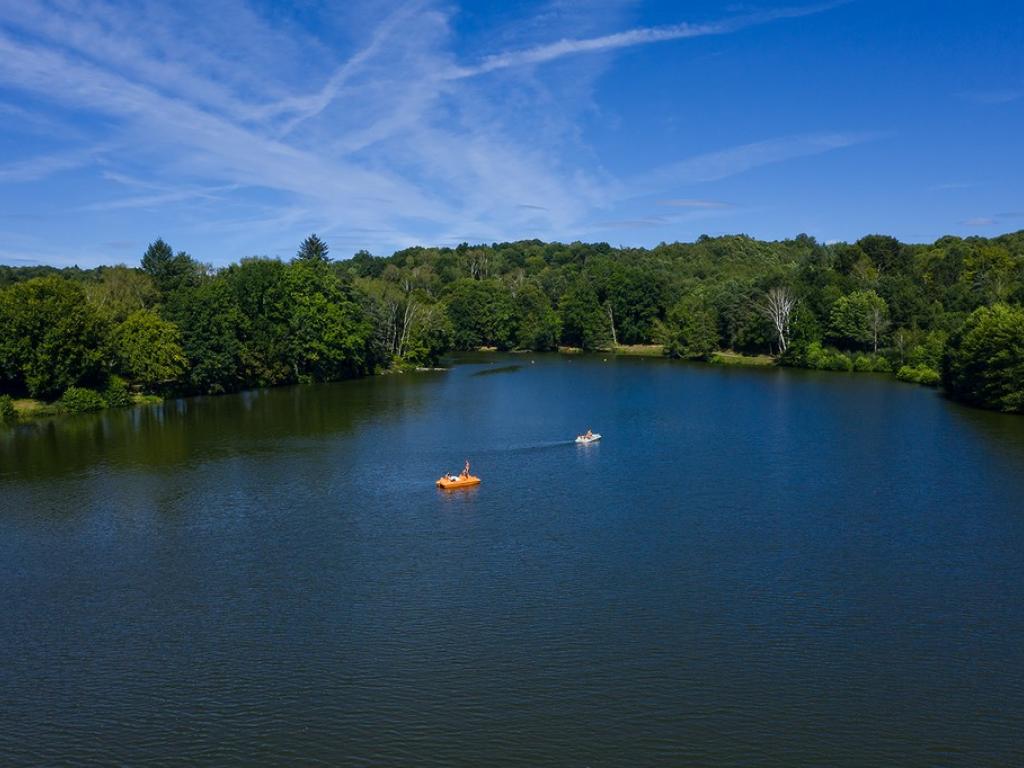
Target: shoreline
{"x":29,"y":410}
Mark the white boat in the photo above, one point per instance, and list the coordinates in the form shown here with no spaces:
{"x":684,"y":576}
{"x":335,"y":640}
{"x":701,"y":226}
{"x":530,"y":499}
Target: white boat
{"x":584,"y":440}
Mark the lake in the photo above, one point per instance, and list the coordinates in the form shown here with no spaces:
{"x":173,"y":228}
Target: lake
{"x":753,"y":567}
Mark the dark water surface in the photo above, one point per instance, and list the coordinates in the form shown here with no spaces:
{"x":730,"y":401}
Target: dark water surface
{"x":770,"y":568}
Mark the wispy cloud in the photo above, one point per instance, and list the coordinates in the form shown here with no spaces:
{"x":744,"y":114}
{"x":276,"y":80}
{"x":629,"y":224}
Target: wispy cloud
{"x":28,"y":122}
{"x":724,"y":163}
{"x":643,"y":36}
{"x":36,"y":168}
{"x":997,"y":219}
{"x":303,"y":108}
{"x":205,"y":144}
{"x":399,"y":143}
{"x":161,"y":198}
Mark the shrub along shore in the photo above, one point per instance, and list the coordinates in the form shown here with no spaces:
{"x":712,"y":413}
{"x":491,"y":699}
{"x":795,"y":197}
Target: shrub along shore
{"x":943,"y":314}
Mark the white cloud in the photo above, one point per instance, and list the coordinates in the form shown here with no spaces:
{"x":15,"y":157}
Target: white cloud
{"x":211,"y":103}
{"x":721,"y":164}
{"x":301,"y":108}
{"x":161,"y":198}
{"x":36,"y":168}
{"x":642,"y":36}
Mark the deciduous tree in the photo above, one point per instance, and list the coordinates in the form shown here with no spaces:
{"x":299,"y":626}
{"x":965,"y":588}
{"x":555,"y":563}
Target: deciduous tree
{"x":691,"y":328}
{"x":51,"y":339}
{"x":860,"y":318}
{"x":148,"y":349}
{"x":777,"y":306}
{"x":984,"y":362}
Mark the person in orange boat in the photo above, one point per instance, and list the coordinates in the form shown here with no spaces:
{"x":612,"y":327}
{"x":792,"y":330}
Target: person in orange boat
{"x":465,"y":469}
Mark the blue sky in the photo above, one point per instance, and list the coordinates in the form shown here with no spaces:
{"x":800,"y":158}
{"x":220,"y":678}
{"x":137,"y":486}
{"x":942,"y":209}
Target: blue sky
{"x":237,"y":127}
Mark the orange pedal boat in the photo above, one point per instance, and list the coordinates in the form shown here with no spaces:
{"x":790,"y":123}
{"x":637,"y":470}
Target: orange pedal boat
{"x":463,"y":480}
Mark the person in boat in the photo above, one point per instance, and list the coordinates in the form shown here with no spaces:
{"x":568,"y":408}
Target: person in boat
{"x":589,"y":434}
{"x":465,"y":470}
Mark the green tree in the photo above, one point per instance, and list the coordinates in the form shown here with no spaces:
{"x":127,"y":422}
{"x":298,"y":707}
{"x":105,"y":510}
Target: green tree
{"x":538,"y":324}
{"x":920,"y":374}
{"x":743,"y":327}
{"x":804,"y":330}
{"x":363,"y":264}
{"x":887,"y":254}
{"x":81,"y":400}
{"x":633,"y":298}
{"x":984,"y":362}
{"x":148,"y":349}
{"x":482,"y":313}
{"x":584,"y":321}
{"x":52,"y":338}
{"x":117,"y":394}
{"x":265,"y":322}
{"x":313,"y":249}
{"x":691,"y":328}
{"x":860,"y":319}
{"x":8,"y":414}
{"x":988,"y":269}
{"x":824,"y":359}
{"x":120,"y":291}
{"x":261,"y":290}
{"x":328,"y":333}
{"x":213,"y":333}
{"x":429,"y":337}
{"x":170,"y":272}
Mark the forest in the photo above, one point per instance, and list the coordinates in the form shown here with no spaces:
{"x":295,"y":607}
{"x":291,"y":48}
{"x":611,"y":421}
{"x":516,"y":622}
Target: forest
{"x":947,"y":314}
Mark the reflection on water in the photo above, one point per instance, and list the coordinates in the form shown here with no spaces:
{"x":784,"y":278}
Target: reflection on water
{"x":752,"y":567}
{"x":201,"y":428}
{"x":499,"y":369}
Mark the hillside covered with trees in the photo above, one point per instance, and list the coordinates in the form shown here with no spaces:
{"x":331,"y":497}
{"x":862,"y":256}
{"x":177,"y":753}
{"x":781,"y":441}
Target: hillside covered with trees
{"x":947,"y":313}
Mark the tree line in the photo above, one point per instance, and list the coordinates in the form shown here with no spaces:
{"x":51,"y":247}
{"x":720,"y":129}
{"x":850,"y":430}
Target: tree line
{"x":947,"y":313}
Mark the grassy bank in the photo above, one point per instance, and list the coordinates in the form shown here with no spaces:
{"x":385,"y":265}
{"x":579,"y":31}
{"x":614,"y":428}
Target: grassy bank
{"x":622,"y":350}
{"x":734,"y":358}
{"x":639,"y":350}
{"x":28,"y":409}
